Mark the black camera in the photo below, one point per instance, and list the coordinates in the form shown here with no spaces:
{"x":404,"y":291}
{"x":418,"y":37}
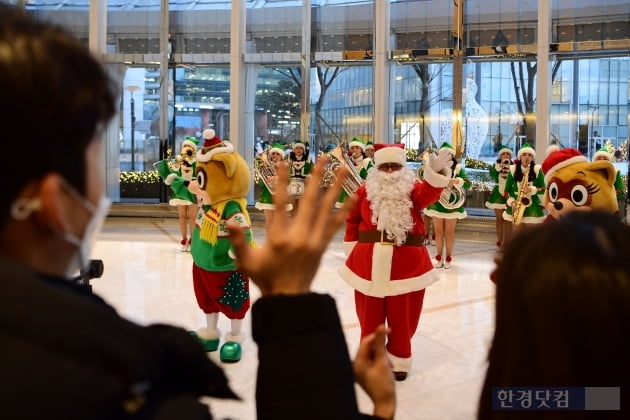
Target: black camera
{"x":94,"y":270}
{"x":506,"y":162}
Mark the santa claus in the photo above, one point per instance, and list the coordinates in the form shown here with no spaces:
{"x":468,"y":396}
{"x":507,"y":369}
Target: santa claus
{"x":388,"y":265}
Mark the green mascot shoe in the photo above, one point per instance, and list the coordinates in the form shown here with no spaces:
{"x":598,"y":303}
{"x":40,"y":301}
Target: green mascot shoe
{"x":230,"y":352}
{"x":208,"y":345}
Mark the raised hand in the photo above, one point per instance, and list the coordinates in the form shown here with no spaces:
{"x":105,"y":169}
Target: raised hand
{"x":441,"y":161}
{"x":373,"y":373}
{"x":290,"y":257}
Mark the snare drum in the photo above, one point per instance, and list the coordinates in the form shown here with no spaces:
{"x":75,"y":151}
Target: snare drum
{"x":296,"y":187}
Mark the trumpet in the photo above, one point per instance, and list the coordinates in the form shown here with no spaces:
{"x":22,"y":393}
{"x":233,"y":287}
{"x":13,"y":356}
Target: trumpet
{"x":338,"y":158}
{"x":264,"y":169}
{"x":522,"y":199}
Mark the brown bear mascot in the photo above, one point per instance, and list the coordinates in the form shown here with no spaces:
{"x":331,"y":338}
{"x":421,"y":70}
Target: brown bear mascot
{"x":221,"y":185}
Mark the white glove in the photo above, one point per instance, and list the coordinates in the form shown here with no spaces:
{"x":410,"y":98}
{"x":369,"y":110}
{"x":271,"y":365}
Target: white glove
{"x":533,"y":190}
{"x":443,"y":159}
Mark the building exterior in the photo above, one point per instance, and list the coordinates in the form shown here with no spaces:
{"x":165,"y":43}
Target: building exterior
{"x":475,"y":73}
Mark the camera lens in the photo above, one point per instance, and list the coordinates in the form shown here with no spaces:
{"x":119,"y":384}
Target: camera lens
{"x":95,"y":269}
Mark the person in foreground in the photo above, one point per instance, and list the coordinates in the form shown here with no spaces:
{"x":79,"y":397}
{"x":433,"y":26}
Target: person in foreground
{"x":563,"y":312}
{"x":304,"y":370}
{"x":66,"y":354}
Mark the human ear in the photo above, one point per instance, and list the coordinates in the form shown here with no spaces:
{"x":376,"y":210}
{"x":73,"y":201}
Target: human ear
{"x":56,"y":210}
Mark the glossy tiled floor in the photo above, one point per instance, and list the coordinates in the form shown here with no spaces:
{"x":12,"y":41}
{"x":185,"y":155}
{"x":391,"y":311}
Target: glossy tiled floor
{"x":148,"y":279}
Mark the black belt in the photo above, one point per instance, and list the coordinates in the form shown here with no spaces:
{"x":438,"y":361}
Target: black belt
{"x":413,"y":239}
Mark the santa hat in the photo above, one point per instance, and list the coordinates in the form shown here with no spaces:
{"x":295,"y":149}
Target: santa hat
{"x":560,"y":159}
{"x":389,"y":153}
{"x":357,"y":142}
{"x":605,"y":153}
{"x":551,"y":149}
{"x":190,"y":142}
{"x":212,"y":145}
{"x":369,"y":145}
{"x":505,"y":149}
{"x":447,"y":146}
{"x":277,"y":147}
{"x":298,"y":143}
{"x":526,"y":148}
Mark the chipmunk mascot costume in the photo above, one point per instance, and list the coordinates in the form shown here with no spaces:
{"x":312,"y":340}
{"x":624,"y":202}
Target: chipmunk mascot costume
{"x":221,"y":185}
{"x":574,"y":183}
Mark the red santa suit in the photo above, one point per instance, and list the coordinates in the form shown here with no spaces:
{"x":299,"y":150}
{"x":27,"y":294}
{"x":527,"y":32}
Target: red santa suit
{"x":390,"y":279}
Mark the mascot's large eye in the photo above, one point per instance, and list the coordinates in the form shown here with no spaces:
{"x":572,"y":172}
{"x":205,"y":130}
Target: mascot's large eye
{"x":202,"y":178}
{"x":553,"y":192}
{"x":579,"y":195}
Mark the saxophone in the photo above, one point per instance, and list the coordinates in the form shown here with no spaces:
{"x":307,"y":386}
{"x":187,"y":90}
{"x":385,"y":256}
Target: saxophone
{"x":522,"y":199}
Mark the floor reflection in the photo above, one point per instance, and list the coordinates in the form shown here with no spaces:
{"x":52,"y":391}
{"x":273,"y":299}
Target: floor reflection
{"x":149,"y":280}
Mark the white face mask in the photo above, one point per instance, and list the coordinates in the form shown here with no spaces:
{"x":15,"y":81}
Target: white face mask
{"x":81,"y":259}
{"x":22,"y":208}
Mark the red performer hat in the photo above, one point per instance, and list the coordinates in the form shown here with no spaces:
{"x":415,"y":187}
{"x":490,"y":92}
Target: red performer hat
{"x":389,"y":153}
{"x":210,"y":138}
{"x":559,"y":159}
{"x":212,"y":145}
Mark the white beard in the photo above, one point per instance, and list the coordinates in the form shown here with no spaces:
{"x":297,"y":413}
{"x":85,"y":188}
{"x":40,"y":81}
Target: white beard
{"x":390,"y":201}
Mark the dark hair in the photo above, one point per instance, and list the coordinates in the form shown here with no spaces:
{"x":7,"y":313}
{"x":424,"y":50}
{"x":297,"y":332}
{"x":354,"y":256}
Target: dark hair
{"x":453,"y":166}
{"x":54,"y":97}
{"x":562,"y":308}
{"x":518,"y":172}
{"x":293,"y":157}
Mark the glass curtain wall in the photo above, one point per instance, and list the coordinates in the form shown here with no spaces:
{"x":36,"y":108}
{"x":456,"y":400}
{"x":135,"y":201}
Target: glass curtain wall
{"x":589,"y":67}
{"x":423,"y":84}
{"x":343,"y":45}
{"x":133,"y":48}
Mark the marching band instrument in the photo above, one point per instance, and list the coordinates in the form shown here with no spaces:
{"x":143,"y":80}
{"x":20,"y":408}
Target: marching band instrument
{"x":424,"y":157}
{"x":264,"y":170}
{"x":297,"y":176}
{"x":452,"y":197}
{"x":296,"y":187}
{"x":522,"y":199}
{"x":173,"y":163}
{"x":338,"y":158}
{"x":420,"y":172}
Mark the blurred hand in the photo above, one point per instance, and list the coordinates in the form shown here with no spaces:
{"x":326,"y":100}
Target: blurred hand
{"x":441,"y":161}
{"x":373,"y":373}
{"x":289,"y":259}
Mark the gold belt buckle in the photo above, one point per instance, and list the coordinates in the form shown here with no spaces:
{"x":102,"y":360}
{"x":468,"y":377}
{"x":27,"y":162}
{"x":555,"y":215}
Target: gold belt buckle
{"x":385,"y":240}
